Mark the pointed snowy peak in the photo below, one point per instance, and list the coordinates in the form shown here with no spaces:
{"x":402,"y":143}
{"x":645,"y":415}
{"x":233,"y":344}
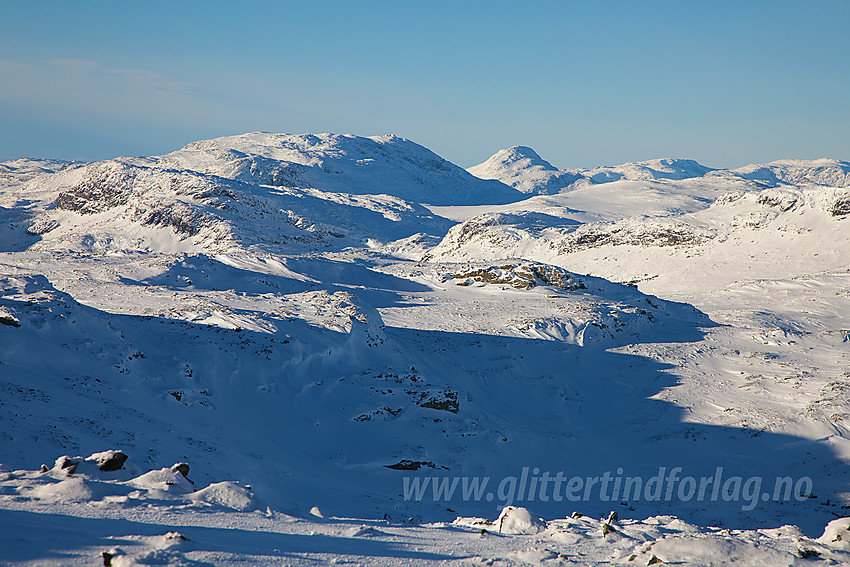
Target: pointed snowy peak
{"x":523,"y":169}
{"x":514,"y":157}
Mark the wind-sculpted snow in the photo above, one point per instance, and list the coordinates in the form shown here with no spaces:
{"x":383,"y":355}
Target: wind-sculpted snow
{"x":86,"y":510}
{"x":296,"y":372}
{"x":591,"y":312}
{"x":103,"y":479}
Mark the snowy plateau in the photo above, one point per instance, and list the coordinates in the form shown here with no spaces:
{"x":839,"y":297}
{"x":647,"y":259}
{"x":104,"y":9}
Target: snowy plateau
{"x":273,"y":349}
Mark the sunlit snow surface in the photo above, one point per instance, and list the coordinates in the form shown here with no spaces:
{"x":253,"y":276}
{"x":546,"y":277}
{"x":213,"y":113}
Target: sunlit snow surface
{"x":309,"y":320}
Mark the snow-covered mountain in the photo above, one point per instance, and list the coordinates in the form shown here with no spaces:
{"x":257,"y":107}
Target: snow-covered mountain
{"x":335,"y":163}
{"x":829,"y":172}
{"x":705,"y":220}
{"x":316,"y":328}
{"x":522,"y":168}
{"x":211,"y":213}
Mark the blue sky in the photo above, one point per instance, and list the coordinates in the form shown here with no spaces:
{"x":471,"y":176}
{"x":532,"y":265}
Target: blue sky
{"x":584,"y":83}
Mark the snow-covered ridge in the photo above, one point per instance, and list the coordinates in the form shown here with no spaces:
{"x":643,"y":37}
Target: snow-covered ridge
{"x":829,"y":172}
{"x":276,"y":191}
{"x":491,"y":236}
{"x":182,"y":210}
{"x":339,"y":163}
{"x":667,"y":168}
{"x":522,"y":168}
{"x":594,"y":312}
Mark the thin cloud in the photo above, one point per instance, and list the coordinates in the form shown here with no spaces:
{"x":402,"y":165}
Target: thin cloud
{"x":152,"y":80}
{"x":12,"y":65}
{"x":137,"y":77}
{"x":73,"y":64}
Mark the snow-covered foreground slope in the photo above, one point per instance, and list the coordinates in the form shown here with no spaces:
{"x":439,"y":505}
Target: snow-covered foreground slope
{"x":161,"y":518}
{"x":284,"y":314}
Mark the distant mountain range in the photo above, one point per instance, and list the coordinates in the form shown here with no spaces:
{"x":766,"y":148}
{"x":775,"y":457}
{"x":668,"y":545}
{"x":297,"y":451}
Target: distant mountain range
{"x":524,"y":170}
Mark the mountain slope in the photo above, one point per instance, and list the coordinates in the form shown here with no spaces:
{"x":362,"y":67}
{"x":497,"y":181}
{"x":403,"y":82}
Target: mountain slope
{"x":756,"y":224}
{"x":339,"y":163}
{"x":119,"y":206}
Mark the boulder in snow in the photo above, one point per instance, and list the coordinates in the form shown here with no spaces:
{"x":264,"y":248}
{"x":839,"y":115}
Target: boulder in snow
{"x":227,"y":495}
{"x":518,"y":520}
{"x":109,"y":460}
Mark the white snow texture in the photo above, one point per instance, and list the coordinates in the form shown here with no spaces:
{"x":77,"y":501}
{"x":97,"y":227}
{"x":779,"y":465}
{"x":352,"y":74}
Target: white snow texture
{"x":274,"y":349}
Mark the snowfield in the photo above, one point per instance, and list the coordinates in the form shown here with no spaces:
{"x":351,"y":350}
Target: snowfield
{"x":281,"y":349}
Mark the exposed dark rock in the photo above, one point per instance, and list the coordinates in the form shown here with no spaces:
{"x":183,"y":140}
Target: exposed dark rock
{"x":67,"y":464}
{"x":111,"y":460}
{"x":841,"y":206}
{"x":9,"y":320}
{"x":445,"y":400}
{"x":104,"y":187}
{"x":42,"y":226}
{"x":782,"y":201}
{"x":676,"y":234}
{"x":182,"y":468}
{"x":805,"y":553}
{"x":520,"y":276}
{"x":386,"y":412}
{"x":181,"y":218}
{"x":407,"y":465}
